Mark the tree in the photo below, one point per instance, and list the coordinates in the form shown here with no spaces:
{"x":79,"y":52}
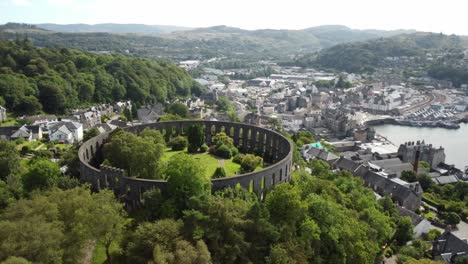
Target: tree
{"x":409,"y":176}
{"x":222,"y":139}
{"x":178,"y":143}
{"x":9,"y":159}
{"x":93,"y":132}
{"x":32,"y":230}
{"x":250,"y":162}
{"x":404,"y":231}
{"x":178,"y":109}
{"x":224,"y":152}
{"x":452,"y":218}
{"x":196,"y":138}
{"x":186,"y":179}
{"x":425,"y":181}
{"x":43,"y":174}
{"x":219,"y":173}
{"x":128,"y":151}
{"x":106,"y":219}
{"x":224,"y":104}
{"x":154,"y":135}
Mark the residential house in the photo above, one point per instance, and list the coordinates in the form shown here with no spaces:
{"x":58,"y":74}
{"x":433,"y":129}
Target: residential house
{"x":448,"y":248}
{"x":405,"y":194}
{"x":315,"y":151}
{"x":41,"y":120}
{"x":150,"y":114}
{"x":29,"y":133}
{"x":66,"y":132}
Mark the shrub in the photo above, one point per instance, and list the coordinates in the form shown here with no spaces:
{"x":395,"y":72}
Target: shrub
{"x":238,"y":158}
{"x":219,"y":173}
{"x":204,"y":148}
{"x":179,"y":143}
{"x":250,"y":162}
{"x":192,"y":148}
{"x":25,"y":150}
{"x":234,"y":151}
{"x":224,"y":152}
{"x":452,"y":218}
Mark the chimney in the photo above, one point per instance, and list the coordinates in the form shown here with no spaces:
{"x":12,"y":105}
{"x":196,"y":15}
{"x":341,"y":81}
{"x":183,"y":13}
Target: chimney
{"x":416,"y":161}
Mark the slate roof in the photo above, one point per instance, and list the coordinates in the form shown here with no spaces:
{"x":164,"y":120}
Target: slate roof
{"x":447,"y":246}
{"x":71,"y":126}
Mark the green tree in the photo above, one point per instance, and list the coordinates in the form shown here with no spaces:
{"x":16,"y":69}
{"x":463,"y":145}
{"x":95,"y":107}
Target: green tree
{"x":42,"y":174}
{"x":179,"y":143}
{"x":425,"y":181}
{"x":196,"y":138}
{"x":224,"y":104}
{"x":9,"y":159}
{"x":186,"y":179}
{"x":409,"y":176}
{"x":222,"y":139}
{"x":93,"y":132}
{"x":128,"y":151}
{"x":178,"y":109}
{"x":404,"y":231}
{"x":452,"y":218}
{"x":250,"y":162}
{"x":154,"y":135}
{"x":219,"y":173}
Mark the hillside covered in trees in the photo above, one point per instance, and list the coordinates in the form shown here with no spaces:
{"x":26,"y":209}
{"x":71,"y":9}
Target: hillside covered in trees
{"x":363,"y":56}
{"x":56,"y":79}
{"x":200,"y":43}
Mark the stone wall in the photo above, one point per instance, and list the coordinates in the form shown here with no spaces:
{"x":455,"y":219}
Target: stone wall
{"x":277,"y":149}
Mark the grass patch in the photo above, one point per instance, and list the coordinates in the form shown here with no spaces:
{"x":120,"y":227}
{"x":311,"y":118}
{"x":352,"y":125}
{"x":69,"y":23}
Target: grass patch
{"x":210,"y":162}
{"x":32,"y":145}
{"x":10,"y":122}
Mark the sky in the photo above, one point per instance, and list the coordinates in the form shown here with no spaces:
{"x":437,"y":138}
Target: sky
{"x":448,"y":16}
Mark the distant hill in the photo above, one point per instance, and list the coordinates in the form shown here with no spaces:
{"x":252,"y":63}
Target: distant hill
{"x":112,"y":28}
{"x":335,"y":34}
{"x":362,"y":56}
{"x":218,"y":41}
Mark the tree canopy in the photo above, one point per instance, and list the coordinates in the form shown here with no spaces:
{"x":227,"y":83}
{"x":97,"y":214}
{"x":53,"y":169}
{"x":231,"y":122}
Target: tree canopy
{"x":56,"y":79}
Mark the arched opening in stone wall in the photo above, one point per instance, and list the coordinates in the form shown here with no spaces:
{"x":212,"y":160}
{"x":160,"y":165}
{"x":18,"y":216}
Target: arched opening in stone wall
{"x":262,"y":185}
{"x":213,"y":130}
{"x":238,"y":186}
{"x":274,"y":179}
{"x":251,"y":186}
{"x":281,"y":175}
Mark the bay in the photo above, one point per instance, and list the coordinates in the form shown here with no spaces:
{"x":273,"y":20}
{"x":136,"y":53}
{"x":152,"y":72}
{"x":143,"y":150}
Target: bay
{"x":455,"y":141}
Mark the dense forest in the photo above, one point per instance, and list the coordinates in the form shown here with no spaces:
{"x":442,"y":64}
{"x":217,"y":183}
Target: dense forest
{"x":56,"y":79}
{"x":364,"y":56}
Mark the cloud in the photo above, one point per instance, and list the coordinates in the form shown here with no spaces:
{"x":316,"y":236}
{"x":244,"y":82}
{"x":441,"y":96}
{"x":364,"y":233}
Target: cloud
{"x":22,"y":2}
{"x":60,"y":2}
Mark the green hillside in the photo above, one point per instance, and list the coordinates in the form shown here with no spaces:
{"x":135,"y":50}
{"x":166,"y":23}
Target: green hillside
{"x":56,"y":79}
{"x":363,"y":56}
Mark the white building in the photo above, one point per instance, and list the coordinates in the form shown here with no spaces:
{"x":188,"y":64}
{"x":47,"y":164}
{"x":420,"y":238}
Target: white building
{"x":66,"y":132}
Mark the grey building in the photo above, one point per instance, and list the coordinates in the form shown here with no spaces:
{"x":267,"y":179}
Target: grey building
{"x":434,"y":156}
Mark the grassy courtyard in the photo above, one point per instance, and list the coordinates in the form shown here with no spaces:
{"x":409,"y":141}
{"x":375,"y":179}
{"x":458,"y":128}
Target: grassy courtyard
{"x":209,"y":162}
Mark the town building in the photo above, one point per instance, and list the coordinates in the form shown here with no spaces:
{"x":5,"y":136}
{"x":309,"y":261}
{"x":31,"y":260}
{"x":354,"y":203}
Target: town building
{"x":66,"y":132}
{"x":420,"y":151}
{"x":448,"y":248}
{"x":29,"y":133}
{"x":150,"y":114}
